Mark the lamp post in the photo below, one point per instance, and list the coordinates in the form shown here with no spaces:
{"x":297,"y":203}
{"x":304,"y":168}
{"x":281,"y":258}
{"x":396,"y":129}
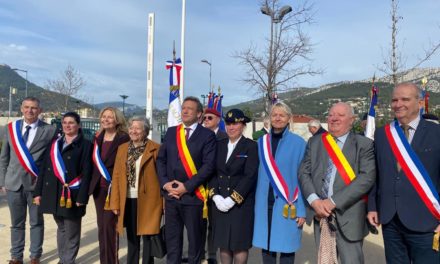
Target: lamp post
{"x":12,"y":91}
{"x":123,"y":96}
{"x":210,"y":68}
{"x":25,"y":71}
{"x":276,"y":16}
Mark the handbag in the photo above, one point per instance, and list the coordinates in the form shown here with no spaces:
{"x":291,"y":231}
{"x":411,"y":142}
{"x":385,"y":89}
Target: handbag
{"x":158,"y":245}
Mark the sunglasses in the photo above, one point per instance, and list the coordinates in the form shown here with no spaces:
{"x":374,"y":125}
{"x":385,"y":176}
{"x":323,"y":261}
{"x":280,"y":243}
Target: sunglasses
{"x":208,"y":117}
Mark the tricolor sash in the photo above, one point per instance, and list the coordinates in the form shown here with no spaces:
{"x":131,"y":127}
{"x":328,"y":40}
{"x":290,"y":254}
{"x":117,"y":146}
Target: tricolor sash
{"x":413,"y":168}
{"x":276,"y":178}
{"x":190,"y":167}
{"x":59,"y":171}
{"x":24,"y":156}
{"x":96,"y":157}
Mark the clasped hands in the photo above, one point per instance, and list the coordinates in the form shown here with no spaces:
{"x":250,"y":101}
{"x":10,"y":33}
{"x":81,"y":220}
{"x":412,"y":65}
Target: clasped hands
{"x":323,"y":208}
{"x":223,"y":204}
{"x":175,"y":189}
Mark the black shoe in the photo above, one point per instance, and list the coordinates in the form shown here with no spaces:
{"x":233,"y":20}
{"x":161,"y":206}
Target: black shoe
{"x":184,"y":260}
{"x":212,"y":261}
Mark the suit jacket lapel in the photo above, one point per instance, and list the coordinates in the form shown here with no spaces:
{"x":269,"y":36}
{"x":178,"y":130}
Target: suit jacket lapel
{"x":420,"y":134}
{"x":222,"y":152}
{"x":238,"y":148}
{"x":40,"y":131}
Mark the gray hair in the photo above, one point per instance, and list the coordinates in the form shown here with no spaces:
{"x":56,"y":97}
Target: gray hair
{"x":314,"y":123}
{"x":413,"y":85}
{"x":31,"y":99}
{"x":282,"y":106}
{"x":141,"y":119}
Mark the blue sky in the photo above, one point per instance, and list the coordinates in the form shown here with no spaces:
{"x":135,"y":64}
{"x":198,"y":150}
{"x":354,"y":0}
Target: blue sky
{"x":106,"y":41}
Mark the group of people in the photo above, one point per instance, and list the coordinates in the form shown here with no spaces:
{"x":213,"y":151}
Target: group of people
{"x":229,"y":192}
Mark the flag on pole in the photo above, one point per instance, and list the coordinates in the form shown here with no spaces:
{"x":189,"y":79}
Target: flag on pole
{"x":211,"y":96}
{"x":371,"y":119}
{"x":175,"y":107}
{"x":219,"y":109}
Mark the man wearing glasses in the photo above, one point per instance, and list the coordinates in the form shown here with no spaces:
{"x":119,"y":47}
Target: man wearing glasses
{"x":336,"y":173}
{"x":211,"y":120}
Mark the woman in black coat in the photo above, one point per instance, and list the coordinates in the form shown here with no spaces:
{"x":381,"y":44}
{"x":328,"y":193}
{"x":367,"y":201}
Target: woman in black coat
{"x":63,"y":184}
{"x":233,"y":191}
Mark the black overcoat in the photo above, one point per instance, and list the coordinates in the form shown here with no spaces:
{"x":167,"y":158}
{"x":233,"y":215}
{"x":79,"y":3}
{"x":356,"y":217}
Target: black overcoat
{"x":78,"y":161}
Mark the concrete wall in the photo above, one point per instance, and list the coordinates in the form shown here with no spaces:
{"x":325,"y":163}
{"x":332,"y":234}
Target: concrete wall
{"x":300,"y":129}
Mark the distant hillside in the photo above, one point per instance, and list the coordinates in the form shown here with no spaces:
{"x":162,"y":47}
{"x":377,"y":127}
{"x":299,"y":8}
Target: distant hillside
{"x":315,"y":102}
{"x":51,"y":101}
{"x":130,"y":109}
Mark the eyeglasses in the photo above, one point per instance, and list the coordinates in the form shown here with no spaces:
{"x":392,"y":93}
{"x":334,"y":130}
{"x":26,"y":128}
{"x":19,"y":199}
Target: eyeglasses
{"x":208,"y":117}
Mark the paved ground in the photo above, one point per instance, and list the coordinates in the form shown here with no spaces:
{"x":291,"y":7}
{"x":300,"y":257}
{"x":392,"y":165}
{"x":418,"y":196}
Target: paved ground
{"x":89,"y":252}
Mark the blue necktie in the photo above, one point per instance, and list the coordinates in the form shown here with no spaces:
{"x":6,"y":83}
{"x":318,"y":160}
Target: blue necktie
{"x":26,"y":134}
{"x":328,"y":175}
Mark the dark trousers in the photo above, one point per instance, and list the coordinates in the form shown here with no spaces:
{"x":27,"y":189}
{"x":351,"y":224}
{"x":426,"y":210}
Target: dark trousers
{"x":207,"y":236}
{"x":403,"y":246}
{"x":133,"y":240}
{"x":18,"y":203}
{"x":271,"y":257}
{"x":107,"y":234}
{"x":68,"y":238}
{"x":176,"y":217}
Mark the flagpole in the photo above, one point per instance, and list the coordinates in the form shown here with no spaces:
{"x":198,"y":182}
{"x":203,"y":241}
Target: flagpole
{"x":182,"y":51}
{"x":150,"y":64}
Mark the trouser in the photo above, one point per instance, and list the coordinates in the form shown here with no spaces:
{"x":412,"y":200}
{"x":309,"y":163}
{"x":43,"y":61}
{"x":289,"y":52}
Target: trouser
{"x":404,"y":246}
{"x":176,"y":217}
{"x":18,"y":203}
{"x":133,"y":239}
{"x":68,"y":238}
{"x":207,"y":236}
{"x":271,"y":257}
{"x":349,"y":252}
{"x":107,"y":234}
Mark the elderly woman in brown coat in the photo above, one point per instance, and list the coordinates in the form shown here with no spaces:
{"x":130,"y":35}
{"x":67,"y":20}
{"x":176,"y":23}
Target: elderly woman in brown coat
{"x":135,"y":192}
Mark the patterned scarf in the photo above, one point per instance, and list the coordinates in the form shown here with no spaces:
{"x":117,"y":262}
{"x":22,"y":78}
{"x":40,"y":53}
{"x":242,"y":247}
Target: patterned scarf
{"x":327,"y":244}
{"x":133,"y":155}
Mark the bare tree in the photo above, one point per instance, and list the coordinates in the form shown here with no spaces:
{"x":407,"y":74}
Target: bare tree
{"x":394,"y":63}
{"x":68,"y":84}
{"x":286,"y":55}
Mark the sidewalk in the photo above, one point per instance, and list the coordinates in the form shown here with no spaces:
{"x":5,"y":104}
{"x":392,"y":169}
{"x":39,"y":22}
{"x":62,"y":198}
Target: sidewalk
{"x":89,"y":251}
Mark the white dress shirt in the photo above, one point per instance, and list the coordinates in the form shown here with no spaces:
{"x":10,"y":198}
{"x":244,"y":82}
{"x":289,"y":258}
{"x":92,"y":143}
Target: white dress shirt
{"x":193,"y":127}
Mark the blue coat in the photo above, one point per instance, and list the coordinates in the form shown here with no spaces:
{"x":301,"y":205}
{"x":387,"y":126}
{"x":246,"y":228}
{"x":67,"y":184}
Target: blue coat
{"x":285,"y":235}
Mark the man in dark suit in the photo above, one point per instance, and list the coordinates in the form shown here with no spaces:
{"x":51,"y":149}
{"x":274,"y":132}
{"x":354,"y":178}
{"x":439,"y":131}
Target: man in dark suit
{"x":182,"y":205}
{"x":19,"y":184}
{"x":407,"y":224}
{"x":328,"y":194}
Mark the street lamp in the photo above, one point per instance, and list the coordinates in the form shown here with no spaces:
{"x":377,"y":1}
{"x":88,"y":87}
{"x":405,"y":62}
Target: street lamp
{"x":123,"y":96}
{"x":12,"y":91}
{"x":275,"y":18}
{"x":25,"y":71}
{"x":207,"y":62}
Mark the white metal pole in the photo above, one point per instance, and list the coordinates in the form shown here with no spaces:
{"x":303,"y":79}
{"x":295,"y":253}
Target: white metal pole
{"x":182,"y":51}
{"x":10,"y":101}
{"x":150,"y":64}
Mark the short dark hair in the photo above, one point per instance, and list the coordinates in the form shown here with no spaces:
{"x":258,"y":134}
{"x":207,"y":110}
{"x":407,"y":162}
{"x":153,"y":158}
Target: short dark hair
{"x":32,"y":99}
{"x":195,"y":100}
{"x":73,"y":115}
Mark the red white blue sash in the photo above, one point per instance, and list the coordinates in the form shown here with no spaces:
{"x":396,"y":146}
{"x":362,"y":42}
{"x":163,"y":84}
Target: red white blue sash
{"x":59,"y":170}
{"x":24,"y":156}
{"x":96,"y":157}
{"x":276,"y":178}
{"x":413,"y":168}
{"x":99,"y":163}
